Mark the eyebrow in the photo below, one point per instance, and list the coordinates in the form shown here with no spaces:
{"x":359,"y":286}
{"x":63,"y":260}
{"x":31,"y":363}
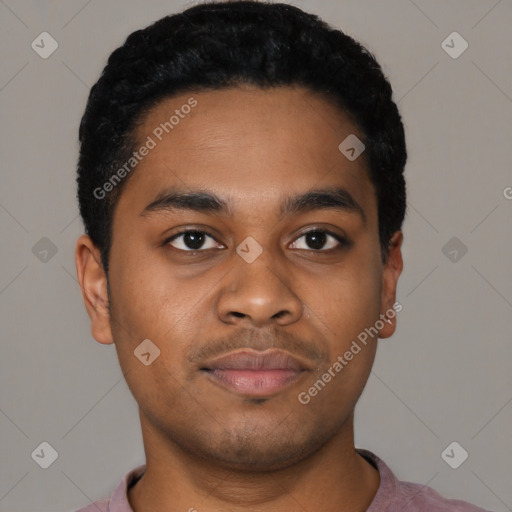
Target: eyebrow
{"x":204,"y":201}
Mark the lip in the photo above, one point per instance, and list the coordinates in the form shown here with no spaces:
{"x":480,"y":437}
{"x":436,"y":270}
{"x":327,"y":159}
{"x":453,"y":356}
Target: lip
{"x":254,"y":373}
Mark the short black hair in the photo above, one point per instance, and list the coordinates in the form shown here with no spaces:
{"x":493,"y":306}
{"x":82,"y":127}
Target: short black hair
{"x":223,"y":44}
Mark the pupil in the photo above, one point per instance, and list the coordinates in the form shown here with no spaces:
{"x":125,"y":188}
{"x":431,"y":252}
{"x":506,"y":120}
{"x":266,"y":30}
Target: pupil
{"x":316,"y":239}
{"x":194,"y":239}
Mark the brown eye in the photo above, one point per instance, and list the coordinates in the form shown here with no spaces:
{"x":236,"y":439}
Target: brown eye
{"x":317,"y":239}
{"x":192,"y":240}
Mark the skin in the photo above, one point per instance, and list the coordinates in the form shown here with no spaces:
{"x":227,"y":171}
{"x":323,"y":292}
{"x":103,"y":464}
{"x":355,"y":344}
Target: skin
{"x":208,"y":447}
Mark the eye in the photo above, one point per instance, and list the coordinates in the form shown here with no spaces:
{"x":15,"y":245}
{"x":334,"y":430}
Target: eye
{"x":194,"y":240}
{"x":316,"y":240}
{"x":191,"y":240}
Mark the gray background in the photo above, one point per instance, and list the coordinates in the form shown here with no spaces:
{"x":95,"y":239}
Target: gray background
{"x":444,"y":376}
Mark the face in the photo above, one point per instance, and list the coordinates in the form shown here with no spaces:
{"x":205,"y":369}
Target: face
{"x":250,"y":294}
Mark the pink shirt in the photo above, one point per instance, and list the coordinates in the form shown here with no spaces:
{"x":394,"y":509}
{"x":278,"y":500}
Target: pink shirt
{"x":392,"y":495}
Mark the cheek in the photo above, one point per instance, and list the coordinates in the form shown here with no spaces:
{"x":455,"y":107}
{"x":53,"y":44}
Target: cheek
{"x":141,"y":287}
{"x":147,"y":304}
{"x":152,"y":300}
{"x":347,"y":307}
{"x":347,"y":300}
{"x":136,"y":302}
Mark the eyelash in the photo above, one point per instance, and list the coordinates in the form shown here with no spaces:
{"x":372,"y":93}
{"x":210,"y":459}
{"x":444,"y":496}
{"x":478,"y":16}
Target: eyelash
{"x":341,"y":240}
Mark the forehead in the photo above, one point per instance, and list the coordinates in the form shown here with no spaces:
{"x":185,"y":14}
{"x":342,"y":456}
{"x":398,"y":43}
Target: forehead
{"x":251,"y":145}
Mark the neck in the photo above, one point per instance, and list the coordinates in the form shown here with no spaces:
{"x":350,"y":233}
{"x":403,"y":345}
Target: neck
{"x":335,"y":478}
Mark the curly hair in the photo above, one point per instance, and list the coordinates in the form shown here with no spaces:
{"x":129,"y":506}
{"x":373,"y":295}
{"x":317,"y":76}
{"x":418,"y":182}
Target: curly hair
{"x":223,"y":44}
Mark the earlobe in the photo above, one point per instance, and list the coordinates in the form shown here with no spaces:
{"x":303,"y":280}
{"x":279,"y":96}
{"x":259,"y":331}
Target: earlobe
{"x":93,"y":283}
{"x":392,"y":270}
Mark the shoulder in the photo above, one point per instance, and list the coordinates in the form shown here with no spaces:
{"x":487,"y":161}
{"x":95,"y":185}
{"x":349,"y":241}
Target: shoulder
{"x":118,"y":502}
{"x":419,"y":498}
{"x":395,"y":495}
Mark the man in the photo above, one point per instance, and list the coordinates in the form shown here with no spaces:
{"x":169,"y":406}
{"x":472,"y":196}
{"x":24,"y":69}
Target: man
{"x":241,"y":184}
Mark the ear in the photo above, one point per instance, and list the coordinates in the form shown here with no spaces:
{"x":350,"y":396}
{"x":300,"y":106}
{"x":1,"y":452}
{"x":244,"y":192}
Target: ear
{"x":392,"y":270}
{"x":93,"y":283}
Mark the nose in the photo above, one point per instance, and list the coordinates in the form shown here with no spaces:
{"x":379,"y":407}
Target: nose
{"x":259,"y":294}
